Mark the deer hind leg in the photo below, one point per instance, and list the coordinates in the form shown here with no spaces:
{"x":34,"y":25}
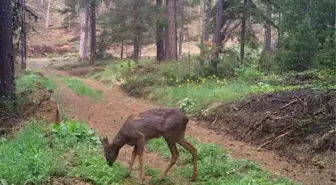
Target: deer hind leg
{"x":134,"y":155}
{"x":175,"y":156}
{"x":186,"y":145}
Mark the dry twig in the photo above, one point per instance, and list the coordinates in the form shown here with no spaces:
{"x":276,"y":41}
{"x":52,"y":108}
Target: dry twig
{"x":276,"y":138}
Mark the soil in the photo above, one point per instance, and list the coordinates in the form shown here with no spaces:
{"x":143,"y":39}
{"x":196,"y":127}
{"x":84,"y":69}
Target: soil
{"x":298,"y":125}
{"x":107,"y":116}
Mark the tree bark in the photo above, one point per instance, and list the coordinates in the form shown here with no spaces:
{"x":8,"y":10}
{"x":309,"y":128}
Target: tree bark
{"x":136,"y":49}
{"x":181,"y":37}
{"x":48,"y":14}
{"x":242,"y":37}
{"x":84,"y":34}
{"x":181,"y":30}
{"x":23,"y":37}
{"x":159,"y":36}
{"x":7,"y":84}
{"x":136,"y":32}
{"x":171,"y":50}
{"x":93,"y":51}
{"x":268,"y":31}
{"x":206,"y":16}
{"x":218,"y":27}
{"x":122,"y":51}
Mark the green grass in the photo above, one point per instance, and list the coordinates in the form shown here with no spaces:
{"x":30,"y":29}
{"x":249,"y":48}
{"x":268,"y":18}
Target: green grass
{"x":70,"y":149}
{"x":211,"y":91}
{"x":28,"y":158}
{"x":82,"y":89}
{"x":28,"y":80}
{"x":114,"y":70}
{"x":216,"y":166}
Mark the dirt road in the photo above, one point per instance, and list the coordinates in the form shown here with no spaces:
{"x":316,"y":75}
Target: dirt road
{"x":107,"y":116}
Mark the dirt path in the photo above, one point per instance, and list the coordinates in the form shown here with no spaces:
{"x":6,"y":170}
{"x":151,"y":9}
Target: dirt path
{"x":107,"y":116}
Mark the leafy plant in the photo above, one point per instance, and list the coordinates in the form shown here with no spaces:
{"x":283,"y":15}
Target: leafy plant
{"x":28,"y":157}
{"x":187,"y":105}
{"x":35,"y":157}
{"x":74,"y":131}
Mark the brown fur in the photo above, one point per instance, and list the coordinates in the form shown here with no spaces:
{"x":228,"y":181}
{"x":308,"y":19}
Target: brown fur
{"x":154,"y":123}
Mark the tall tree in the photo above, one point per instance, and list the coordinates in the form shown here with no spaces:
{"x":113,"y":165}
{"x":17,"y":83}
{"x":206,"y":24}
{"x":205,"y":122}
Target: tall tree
{"x":243,"y":32}
{"x":23,"y":35}
{"x":206,"y":17}
{"x":137,"y":32}
{"x":159,"y":34}
{"x":84,"y":33}
{"x":48,"y":14}
{"x":171,"y":49}
{"x":7,"y":85}
{"x":218,"y":27}
{"x":268,"y":30}
{"x":181,"y":29}
{"x":93,"y":51}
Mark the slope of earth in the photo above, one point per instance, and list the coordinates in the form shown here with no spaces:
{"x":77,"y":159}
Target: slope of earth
{"x":106,"y":117}
{"x":298,"y":124}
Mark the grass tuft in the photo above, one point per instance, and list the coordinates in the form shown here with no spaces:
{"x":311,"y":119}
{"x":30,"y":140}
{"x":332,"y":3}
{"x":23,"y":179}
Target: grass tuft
{"x":29,"y":79}
{"x":82,"y":89}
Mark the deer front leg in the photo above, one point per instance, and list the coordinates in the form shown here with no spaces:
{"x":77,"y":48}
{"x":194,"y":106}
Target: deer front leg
{"x":175,"y":156}
{"x":134,"y":155}
{"x":140,"y":150}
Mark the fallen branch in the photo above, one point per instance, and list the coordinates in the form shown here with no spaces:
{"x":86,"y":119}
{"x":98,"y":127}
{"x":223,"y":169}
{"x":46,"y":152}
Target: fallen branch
{"x":58,"y":115}
{"x":214,"y":122}
{"x":44,"y":98}
{"x":242,"y":106}
{"x":288,"y":104}
{"x":320,"y":141}
{"x":276,"y":138}
{"x":253,"y":126}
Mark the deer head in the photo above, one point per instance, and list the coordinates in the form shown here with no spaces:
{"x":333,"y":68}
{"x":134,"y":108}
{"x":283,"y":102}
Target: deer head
{"x":111,"y":151}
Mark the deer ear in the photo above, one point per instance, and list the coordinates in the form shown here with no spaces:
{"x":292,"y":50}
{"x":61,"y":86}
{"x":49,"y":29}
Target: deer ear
{"x":104,"y":141}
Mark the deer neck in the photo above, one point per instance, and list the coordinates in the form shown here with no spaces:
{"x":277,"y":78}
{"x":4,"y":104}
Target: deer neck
{"x":118,"y":142}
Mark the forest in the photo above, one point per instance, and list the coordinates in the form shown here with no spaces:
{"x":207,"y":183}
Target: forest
{"x":256,"y":79}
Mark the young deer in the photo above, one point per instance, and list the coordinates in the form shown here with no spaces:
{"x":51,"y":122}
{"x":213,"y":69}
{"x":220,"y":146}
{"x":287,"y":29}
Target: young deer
{"x":154,"y":123}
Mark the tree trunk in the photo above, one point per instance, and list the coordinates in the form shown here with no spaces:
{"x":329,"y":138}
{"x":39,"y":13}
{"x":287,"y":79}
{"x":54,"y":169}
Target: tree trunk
{"x":48,"y":14}
{"x":218,"y":27}
{"x":171,"y":50}
{"x":122,"y":51}
{"x":181,"y":37}
{"x":206,"y":16}
{"x":242,"y":37}
{"x":23,"y":37}
{"x":93,"y":33}
{"x":136,"y":49}
{"x":268,"y":31}
{"x":181,"y":30}
{"x":7,"y":85}
{"x":159,"y":36}
{"x":84,"y":34}
{"x":69,"y":20}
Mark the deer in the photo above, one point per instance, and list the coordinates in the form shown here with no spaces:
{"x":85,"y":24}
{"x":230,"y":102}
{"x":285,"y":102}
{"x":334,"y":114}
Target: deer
{"x":137,"y":130}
